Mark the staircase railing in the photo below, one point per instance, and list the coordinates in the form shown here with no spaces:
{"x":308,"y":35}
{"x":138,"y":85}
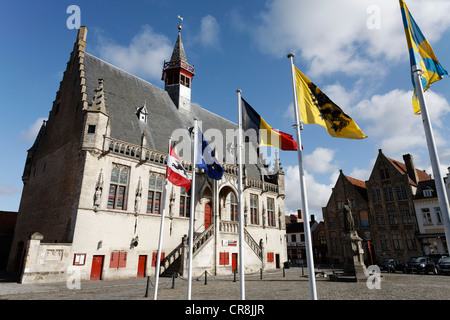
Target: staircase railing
{"x":202,"y":239}
{"x":172,"y":256}
{"x":253,"y":244}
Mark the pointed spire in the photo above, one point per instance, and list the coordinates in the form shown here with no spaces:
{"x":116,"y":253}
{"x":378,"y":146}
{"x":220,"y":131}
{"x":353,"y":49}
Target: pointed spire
{"x":178,"y":53}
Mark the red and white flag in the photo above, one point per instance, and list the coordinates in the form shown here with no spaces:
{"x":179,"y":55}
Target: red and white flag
{"x":175,"y":171}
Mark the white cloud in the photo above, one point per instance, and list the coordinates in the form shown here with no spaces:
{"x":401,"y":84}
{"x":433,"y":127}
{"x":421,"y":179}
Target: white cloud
{"x":144,"y":56}
{"x":320,"y":160}
{"x":209,"y":32}
{"x":389,"y":118}
{"x":333,"y":36}
{"x":31,"y":133}
{"x":318,"y":194}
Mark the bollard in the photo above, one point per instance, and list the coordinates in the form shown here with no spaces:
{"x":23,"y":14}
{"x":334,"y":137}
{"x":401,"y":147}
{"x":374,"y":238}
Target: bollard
{"x":284,"y":273}
{"x":260,"y":277}
{"x":148,"y":286}
{"x":234,"y":271}
{"x":206,"y":277}
{"x":173,"y":280}
{"x":303,"y":270}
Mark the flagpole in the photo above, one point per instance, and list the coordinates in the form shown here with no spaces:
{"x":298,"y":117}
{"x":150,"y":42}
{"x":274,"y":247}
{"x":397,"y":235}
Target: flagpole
{"x":309,"y":251}
{"x":161,"y":230}
{"x":192,"y":213}
{"x":240,"y":202}
{"x":432,"y":150}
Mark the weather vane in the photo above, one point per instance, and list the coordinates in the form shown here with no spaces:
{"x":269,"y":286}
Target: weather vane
{"x":180,"y":18}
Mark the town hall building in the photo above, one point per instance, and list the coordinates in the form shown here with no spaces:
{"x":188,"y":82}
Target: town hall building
{"x":93,"y":183}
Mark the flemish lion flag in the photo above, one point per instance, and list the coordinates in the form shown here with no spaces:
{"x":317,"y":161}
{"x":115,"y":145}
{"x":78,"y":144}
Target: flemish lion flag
{"x":421,"y":54}
{"x":316,"y":108}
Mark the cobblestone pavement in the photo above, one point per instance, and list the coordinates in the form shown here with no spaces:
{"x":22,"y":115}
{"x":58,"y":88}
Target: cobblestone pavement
{"x":273,"y":286}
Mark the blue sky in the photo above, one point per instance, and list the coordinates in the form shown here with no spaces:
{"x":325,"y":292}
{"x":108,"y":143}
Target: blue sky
{"x":354,"y":50}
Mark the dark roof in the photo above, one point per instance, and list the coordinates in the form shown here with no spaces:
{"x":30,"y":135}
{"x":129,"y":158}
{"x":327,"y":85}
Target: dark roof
{"x":178,"y":53}
{"x":125,"y":93}
{"x":425,"y":185}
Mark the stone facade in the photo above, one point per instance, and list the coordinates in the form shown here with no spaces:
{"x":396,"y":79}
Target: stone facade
{"x":382,"y":208}
{"x":93,"y":180}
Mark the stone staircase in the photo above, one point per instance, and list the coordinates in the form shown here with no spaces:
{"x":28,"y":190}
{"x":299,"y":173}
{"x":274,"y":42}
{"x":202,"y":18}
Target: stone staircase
{"x":173,"y":262}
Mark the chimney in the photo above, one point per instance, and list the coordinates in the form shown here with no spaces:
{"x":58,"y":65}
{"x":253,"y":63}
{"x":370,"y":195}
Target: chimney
{"x":410,"y":168}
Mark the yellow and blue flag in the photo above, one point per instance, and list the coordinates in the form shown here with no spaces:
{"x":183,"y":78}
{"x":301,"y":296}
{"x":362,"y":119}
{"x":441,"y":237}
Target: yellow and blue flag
{"x":421,"y":55}
{"x":206,"y":159}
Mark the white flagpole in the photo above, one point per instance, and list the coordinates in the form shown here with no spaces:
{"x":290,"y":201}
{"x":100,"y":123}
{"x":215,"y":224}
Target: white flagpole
{"x":161,"y":230}
{"x":309,"y":251}
{"x":240,"y":202}
{"x":192,"y":213}
{"x":432,"y":150}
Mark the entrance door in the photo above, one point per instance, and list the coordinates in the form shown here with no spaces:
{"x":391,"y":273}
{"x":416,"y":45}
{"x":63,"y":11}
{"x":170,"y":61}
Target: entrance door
{"x":234,"y":262}
{"x":208,"y":215}
{"x":97,"y":267}
{"x":277,"y":261}
{"x":142,"y":264}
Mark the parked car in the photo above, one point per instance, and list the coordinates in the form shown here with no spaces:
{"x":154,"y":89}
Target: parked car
{"x":391,"y":265}
{"x":443,"y":266}
{"x":421,"y":264}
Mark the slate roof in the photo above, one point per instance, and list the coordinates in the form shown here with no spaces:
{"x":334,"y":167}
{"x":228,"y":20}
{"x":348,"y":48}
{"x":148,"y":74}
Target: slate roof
{"x":125,"y":93}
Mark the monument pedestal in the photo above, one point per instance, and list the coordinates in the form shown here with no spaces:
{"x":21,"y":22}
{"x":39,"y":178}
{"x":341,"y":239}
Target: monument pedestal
{"x":354,"y":268}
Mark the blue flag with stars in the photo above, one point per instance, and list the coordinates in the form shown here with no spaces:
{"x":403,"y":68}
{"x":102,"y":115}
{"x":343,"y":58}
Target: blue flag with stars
{"x":206,"y":159}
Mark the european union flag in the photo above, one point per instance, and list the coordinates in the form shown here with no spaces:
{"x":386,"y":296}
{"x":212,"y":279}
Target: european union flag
{"x":206,"y":159}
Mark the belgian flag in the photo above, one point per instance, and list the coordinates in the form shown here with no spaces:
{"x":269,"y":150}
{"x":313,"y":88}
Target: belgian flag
{"x":267,"y":136}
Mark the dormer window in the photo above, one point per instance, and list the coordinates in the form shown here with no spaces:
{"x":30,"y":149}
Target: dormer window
{"x":428,"y":193}
{"x":142,"y":113}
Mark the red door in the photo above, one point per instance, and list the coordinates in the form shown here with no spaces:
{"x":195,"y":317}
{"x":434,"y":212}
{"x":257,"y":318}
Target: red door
{"x":234,"y":262}
{"x":97,"y":267}
{"x":208,"y":215}
{"x":142,"y":264}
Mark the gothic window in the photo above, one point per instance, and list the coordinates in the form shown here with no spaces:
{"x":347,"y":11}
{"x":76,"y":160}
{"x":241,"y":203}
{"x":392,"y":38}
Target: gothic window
{"x":384,"y":174}
{"x":118,"y":187}
{"x":253,"y":209}
{"x":185,"y":203}
{"x":401,"y":193}
{"x":392,"y":216}
{"x":384,"y":244}
{"x":388,"y":195}
{"x":396,"y":239}
{"x":155,"y":186}
{"x":406,"y":216}
{"x":233,"y":207}
{"x":410,"y":242}
{"x":376,"y":195}
{"x":380,"y":218}
{"x":270,"y":212}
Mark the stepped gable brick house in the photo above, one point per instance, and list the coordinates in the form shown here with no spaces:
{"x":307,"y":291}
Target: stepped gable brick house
{"x":94,"y":178}
{"x":383,"y":210}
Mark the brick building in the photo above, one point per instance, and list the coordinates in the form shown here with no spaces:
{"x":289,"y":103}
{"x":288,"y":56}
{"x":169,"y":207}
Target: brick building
{"x":93,"y":183}
{"x":383,"y":210}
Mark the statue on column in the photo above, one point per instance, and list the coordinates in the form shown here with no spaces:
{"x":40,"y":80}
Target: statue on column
{"x":349,"y":223}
